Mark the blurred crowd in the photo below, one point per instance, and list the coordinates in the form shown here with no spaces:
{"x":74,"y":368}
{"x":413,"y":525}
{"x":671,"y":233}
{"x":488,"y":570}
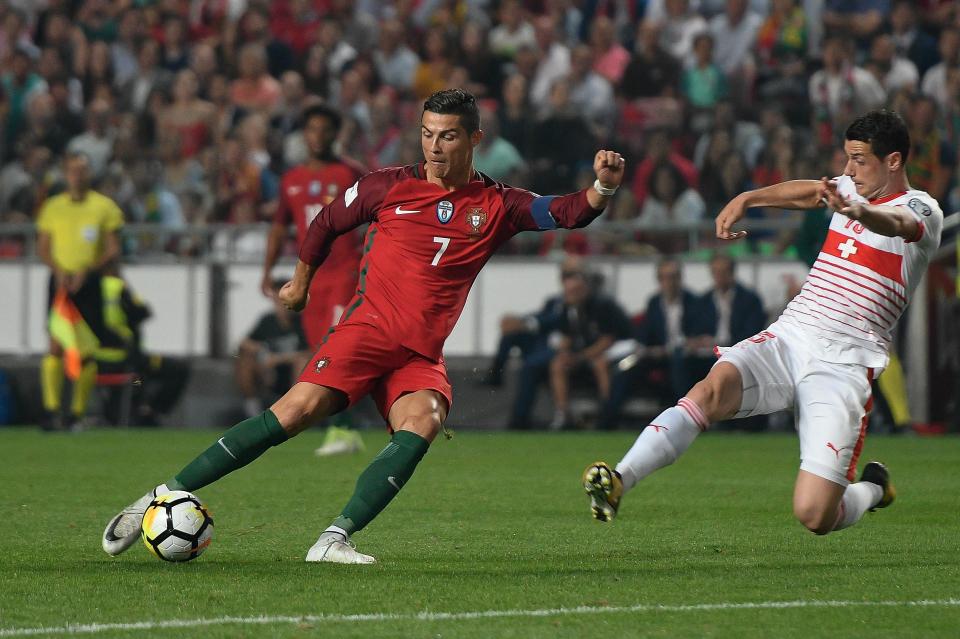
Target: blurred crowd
{"x":189,"y":110}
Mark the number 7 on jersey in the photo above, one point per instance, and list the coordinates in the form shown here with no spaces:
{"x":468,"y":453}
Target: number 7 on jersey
{"x":444,"y":242}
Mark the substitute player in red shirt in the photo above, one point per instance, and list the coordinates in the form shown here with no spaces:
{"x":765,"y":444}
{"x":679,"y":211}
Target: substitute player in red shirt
{"x":304,"y":191}
{"x":433,"y":226}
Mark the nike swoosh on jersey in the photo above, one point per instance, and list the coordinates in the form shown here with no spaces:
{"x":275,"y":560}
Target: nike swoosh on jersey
{"x":400,"y":211}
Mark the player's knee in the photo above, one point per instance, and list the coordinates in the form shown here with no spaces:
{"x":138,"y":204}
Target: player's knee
{"x":718,"y":395}
{"x":815,"y":517}
{"x":301,"y":408}
{"x":427,"y":424}
{"x":707,"y":395}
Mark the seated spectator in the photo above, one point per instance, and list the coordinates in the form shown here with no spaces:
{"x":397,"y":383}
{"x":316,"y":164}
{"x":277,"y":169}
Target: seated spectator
{"x":659,"y":150}
{"x":554,"y":60}
{"x":932,"y":160}
{"x":130,"y":32}
{"x":528,"y":336}
{"x":776,"y":161}
{"x":175,"y":56}
{"x":893,"y":71}
{"x":97,"y":142}
{"x":909,"y":39}
{"x":382,"y":146}
{"x":495,"y":156}
{"x":254,"y":89}
{"x":670,"y":201}
{"x":20,"y":84}
{"x":316,"y":76}
{"x":203,"y":63}
{"x":675,"y":343}
{"x":338,"y":51}
{"x":286,"y":118}
{"x":736,"y":311}
{"x":840,"y":91}
{"x":150,"y":79}
{"x":735,"y":36}
{"x":514,"y":113}
{"x":254,"y":27}
{"x":861,"y":19}
{"x":270,"y":357}
{"x":609,"y":57}
{"x":935,"y":79}
{"x":724,"y":181}
{"x":23,"y":183}
{"x":590,"y":324}
{"x":782,"y":43}
{"x":703,"y":83}
{"x":512,"y":31}
{"x":678,"y":27}
{"x":483,"y":68}
{"x":554,"y":166}
{"x":590,"y":93}
{"x":652,"y":71}
{"x":749,"y":138}
{"x":242,"y":183}
{"x":435,"y":64}
{"x":188,"y":117}
{"x":396,"y":62}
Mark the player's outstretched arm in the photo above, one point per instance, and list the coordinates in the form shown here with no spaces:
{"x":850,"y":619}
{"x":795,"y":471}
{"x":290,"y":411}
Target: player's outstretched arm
{"x":892,"y":221}
{"x":794,"y":194}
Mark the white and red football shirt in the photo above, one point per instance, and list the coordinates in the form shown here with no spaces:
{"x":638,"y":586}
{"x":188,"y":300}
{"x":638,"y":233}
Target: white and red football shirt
{"x":862,"y":281}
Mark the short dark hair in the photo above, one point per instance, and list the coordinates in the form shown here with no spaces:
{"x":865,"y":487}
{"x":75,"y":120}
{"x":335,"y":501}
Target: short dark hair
{"x":885,"y":132}
{"x":323,"y":111}
{"x":455,"y":102}
{"x":719,"y":256}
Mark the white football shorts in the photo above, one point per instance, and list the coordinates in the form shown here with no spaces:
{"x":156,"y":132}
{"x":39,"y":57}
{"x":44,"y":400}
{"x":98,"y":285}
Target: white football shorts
{"x":830,"y":401}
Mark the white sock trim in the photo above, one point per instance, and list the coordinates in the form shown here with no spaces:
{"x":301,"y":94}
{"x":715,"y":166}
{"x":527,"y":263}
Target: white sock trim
{"x":695,"y":412}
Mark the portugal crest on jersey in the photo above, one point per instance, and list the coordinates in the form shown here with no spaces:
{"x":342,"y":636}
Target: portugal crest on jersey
{"x":445,"y":211}
{"x":476,"y":218}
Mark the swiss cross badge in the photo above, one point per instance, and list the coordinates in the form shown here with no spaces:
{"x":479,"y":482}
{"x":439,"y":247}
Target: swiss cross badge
{"x":476,"y":218}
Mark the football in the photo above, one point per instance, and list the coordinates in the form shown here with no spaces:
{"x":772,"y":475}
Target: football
{"x":177,"y":526}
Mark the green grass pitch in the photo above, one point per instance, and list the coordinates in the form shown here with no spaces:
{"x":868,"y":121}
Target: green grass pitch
{"x":495,"y":524}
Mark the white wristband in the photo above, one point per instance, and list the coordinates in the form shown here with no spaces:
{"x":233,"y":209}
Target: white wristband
{"x":602,"y":190}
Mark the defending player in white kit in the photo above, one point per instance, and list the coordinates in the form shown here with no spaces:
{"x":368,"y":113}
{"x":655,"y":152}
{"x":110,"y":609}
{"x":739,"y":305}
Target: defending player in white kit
{"x":821,"y":355}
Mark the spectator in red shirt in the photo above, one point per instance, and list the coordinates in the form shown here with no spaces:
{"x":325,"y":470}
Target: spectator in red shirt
{"x":659,"y":150}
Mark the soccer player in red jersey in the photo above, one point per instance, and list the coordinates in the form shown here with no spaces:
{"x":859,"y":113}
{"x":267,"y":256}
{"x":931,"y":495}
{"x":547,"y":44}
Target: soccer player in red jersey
{"x":433,"y":226}
{"x":304,"y":191}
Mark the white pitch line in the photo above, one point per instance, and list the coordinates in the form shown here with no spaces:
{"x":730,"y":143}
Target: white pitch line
{"x":93,"y":628}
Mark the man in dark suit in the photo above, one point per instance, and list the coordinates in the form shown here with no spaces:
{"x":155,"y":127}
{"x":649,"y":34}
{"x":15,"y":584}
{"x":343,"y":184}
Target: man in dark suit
{"x":676,"y":338}
{"x":735,"y":311}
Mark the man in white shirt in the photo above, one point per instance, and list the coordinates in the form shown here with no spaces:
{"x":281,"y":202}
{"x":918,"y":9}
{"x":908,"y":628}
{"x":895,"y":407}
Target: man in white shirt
{"x":935,"y":80}
{"x":841,"y":88}
{"x":734,"y":35}
{"x":892,"y":70}
{"x":554,"y":60}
